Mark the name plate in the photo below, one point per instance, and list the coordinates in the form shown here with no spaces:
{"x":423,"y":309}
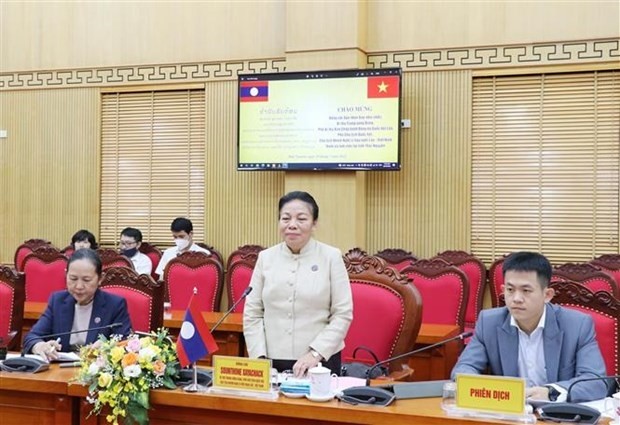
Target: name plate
{"x":241,"y":373}
{"x":496,"y":394}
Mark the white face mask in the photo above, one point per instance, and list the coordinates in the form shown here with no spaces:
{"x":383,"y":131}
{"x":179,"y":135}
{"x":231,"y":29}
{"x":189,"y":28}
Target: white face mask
{"x":181,"y":243}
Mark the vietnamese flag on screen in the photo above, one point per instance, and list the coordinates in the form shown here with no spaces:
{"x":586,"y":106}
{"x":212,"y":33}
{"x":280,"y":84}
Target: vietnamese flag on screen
{"x":195,"y":340}
{"x":385,"y":86}
{"x":254,"y":91}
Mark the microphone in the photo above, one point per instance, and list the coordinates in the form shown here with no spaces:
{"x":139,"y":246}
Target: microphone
{"x":33,"y":365}
{"x":460,"y":336}
{"x":232,"y":308}
{"x":380,"y":396}
{"x":605,"y":379}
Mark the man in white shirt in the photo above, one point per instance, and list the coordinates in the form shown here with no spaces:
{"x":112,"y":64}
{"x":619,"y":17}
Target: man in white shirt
{"x":182,"y":232}
{"x":130,"y":242}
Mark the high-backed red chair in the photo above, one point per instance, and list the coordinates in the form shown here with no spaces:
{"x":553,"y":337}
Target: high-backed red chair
{"x":26,"y":248}
{"x":214,"y":252}
{"x":45,"y":271}
{"x":111,"y":258}
{"x":245,"y":252}
{"x":587,"y":275}
{"x":144,"y":296}
{"x":496,"y":282}
{"x":194,"y":270}
{"x":444,"y":289}
{"x":476,"y":274}
{"x":387,"y":310}
{"x":397,"y":258}
{"x":12,"y":298}
{"x":154,"y":255}
{"x":610,"y":264}
{"x":238,"y":276}
{"x":68,"y":251}
{"x":605,"y":311}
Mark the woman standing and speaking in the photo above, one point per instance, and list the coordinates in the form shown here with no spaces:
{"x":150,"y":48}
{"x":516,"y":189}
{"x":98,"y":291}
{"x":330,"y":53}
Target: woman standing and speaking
{"x":300,"y":308}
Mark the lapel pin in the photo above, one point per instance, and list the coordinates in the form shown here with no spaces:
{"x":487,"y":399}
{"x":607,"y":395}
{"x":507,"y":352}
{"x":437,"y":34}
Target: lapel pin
{"x":314,"y":268}
{"x":97,"y":320}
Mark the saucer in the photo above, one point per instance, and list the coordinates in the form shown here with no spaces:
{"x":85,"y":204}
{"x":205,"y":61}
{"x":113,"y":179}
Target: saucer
{"x":292,"y":395}
{"x":321,"y":398}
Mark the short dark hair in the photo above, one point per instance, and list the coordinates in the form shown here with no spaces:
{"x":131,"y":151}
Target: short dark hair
{"x":84,"y":235}
{"x":181,"y":224}
{"x":529,"y":262}
{"x":132,"y":232}
{"x":89,"y":255}
{"x":301,"y":196}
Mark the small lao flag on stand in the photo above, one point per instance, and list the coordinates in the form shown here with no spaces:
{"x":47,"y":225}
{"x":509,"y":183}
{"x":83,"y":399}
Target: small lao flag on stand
{"x":195,"y":340}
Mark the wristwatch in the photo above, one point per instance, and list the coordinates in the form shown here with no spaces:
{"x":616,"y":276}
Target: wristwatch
{"x":553,"y":392}
{"x":316,"y":355}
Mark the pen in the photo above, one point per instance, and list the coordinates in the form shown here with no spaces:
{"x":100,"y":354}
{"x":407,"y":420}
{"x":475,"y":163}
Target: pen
{"x":70,"y":364}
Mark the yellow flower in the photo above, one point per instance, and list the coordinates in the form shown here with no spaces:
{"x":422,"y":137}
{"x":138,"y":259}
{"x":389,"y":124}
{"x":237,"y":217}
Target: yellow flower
{"x":105,"y":379}
{"x":116,"y":354}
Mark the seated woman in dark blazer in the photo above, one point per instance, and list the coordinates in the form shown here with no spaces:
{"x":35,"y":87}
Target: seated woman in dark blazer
{"x":81,"y":307}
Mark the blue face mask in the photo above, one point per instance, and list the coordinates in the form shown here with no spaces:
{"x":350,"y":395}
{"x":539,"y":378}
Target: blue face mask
{"x":129,"y":252}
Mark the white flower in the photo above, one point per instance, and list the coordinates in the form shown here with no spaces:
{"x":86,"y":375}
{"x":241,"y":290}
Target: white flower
{"x":147,"y":354}
{"x":132,"y":371}
{"x":93,"y":369}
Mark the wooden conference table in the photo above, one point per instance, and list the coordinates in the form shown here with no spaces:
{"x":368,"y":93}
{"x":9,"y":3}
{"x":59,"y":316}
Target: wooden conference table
{"x":433,"y":364}
{"x":49,"y":398}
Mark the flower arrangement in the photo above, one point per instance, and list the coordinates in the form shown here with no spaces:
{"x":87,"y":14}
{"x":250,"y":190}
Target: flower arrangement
{"x":120,"y":373}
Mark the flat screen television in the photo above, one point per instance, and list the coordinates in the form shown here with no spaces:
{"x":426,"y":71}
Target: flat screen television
{"x":319,"y":120}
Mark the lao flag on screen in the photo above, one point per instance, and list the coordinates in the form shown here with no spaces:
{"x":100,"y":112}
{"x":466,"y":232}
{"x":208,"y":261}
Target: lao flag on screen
{"x":254,"y":91}
{"x":195,"y":340}
{"x":385,"y":86}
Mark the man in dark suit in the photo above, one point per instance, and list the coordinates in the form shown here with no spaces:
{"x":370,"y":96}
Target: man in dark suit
{"x":547,"y":345}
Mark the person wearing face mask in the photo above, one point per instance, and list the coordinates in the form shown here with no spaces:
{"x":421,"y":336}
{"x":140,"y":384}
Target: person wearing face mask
{"x":300,"y":307}
{"x":130,"y":242}
{"x":80,"y":307}
{"x":182,"y":232}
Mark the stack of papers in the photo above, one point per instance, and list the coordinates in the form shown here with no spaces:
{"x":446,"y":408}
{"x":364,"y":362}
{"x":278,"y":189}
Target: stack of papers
{"x":295,"y":386}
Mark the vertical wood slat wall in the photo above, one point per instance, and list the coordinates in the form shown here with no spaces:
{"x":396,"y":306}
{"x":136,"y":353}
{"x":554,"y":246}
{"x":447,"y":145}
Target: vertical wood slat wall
{"x":546,"y":158}
{"x":425,"y":207}
{"x":241,"y":207}
{"x":49,"y":166}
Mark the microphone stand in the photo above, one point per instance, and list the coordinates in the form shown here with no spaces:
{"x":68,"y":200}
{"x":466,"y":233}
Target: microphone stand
{"x":461,"y":336}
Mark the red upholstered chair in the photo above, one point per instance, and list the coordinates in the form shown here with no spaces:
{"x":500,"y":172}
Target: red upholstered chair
{"x":26,"y":248}
{"x":145,"y":297}
{"x":216,"y":253}
{"x":111,"y":258}
{"x":476,"y":274}
{"x":154,"y":255}
{"x":605,"y":311}
{"x":396,"y":258}
{"x":496,"y":282}
{"x":194,"y":270}
{"x":245,"y":252}
{"x":444,"y":289}
{"x":610,"y":264}
{"x":45,"y":269}
{"x":587,"y":275}
{"x":238,"y":276}
{"x":387,"y":310}
{"x":67,"y":251}
{"x":12,"y":298}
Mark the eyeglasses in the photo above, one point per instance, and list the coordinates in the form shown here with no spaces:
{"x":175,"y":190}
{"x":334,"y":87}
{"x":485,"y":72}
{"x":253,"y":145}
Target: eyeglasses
{"x":127,"y":244}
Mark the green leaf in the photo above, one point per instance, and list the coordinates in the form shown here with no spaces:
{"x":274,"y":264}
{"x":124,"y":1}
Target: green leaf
{"x":169,"y":383}
{"x":142,"y":398}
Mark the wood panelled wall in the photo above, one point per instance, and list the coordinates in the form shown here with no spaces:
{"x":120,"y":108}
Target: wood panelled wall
{"x":425,"y":207}
{"x":49,"y":166}
{"x":241,"y":207}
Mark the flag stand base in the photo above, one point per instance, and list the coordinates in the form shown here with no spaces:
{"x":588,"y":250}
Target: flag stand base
{"x":195,"y":388}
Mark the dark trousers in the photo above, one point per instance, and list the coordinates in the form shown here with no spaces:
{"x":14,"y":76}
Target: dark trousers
{"x":334,"y":364}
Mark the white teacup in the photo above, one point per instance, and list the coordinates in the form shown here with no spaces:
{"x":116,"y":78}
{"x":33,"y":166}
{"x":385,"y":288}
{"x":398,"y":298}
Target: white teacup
{"x":320,"y":381}
{"x":612,"y":405}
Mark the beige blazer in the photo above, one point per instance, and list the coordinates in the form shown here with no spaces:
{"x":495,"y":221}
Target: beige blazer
{"x":298,"y":301}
